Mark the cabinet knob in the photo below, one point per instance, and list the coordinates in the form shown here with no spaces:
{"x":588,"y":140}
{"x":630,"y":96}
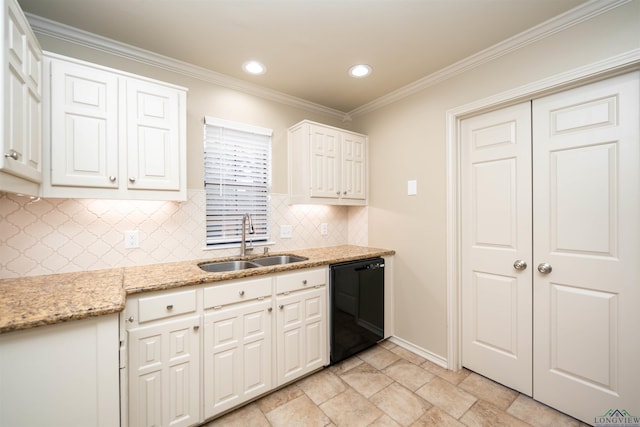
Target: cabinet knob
{"x":130,"y":319}
{"x":13,"y":154}
{"x":281,"y":306}
{"x":344,"y":193}
{"x":304,"y":282}
{"x":112,"y":178}
{"x":270,"y":309}
{"x":338,"y":193}
{"x":170,"y":307}
{"x":132,"y":179}
{"x":196,"y":327}
{"x":241,"y":293}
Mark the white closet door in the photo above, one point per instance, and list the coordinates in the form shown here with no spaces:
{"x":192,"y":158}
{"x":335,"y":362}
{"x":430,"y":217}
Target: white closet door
{"x":496,"y":234}
{"x":586,"y":156}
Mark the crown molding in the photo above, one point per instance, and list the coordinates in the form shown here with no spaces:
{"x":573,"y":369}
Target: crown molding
{"x":56,"y":30}
{"x":559,"y":23}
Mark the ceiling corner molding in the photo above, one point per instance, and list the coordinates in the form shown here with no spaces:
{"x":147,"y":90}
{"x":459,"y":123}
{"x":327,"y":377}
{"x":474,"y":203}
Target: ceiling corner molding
{"x":554,"y":25}
{"x":56,"y":30}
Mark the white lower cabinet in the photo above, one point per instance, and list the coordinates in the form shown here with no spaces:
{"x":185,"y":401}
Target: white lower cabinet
{"x":301,"y":333}
{"x":237,"y":355}
{"x":180,"y":374}
{"x":164,"y":373}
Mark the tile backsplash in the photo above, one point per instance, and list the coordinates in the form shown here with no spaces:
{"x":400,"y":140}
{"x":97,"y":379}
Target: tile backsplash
{"x":64,"y":235}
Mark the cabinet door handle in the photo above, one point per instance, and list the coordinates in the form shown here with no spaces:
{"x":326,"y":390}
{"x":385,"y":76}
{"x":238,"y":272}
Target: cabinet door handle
{"x":132,"y":179}
{"x":241,"y":293}
{"x":112,"y":178}
{"x":170,"y":307}
{"x":13,"y":154}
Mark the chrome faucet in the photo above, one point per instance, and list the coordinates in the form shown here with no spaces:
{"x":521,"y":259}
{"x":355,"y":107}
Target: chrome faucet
{"x":243,"y":242}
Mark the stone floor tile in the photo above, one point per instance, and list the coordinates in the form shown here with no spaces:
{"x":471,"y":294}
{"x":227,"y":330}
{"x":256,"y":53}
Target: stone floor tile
{"x":484,"y":414}
{"x":366,"y":379}
{"x":345,"y":365}
{"x":322,"y":386}
{"x":408,"y":355}
{"x":241,"y":417}
{"x":400,"y":403}
{"x":454,"y":377}
{"x":351,"y":409}
{"x":302,"y":410}
{"x":387,"y":344}
{"x":279,"y":397}
{"x":378,"y":357}
{"x":436,"y":417}
{"x":488,"y":390}
{"x":409,"y":375}
{"x":446,"y":396}
{"x":384,"y":421}
{"x":540,"y":415}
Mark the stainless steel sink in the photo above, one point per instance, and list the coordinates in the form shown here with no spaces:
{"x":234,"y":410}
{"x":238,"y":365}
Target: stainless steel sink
{"x":277,"y":260}
{"x":221,"y":266}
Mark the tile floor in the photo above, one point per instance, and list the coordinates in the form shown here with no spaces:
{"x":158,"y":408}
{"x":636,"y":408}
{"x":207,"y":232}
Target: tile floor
{"x":390,"y":386}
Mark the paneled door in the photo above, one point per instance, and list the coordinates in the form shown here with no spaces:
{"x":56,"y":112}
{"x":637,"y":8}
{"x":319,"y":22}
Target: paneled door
{"x":578,"y":283}
{"x":586,"y":198}
{"x":496,"y":244}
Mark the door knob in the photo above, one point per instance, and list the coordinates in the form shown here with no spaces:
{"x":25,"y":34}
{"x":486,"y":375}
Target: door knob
{"x":544,"y":268}
{"x":520,"y":264}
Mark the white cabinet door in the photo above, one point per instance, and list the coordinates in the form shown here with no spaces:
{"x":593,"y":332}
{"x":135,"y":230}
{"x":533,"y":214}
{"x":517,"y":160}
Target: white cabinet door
{"x":325,"y":162}
{"x":164,"y":374}
{"x":153,"y":136}
{"x":84,"y":126}
{"x":21,"y":104}
{"x":237,"y":355}
{"x":354,"y":172}
{"x":301,"y":333}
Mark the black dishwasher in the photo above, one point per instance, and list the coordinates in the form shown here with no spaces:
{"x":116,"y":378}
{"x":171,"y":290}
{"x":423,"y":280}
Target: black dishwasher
{"x":357,"y":306}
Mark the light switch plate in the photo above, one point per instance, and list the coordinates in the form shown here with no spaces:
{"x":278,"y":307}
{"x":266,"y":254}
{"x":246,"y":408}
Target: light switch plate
{"x":412,"y":187}
{"x":286,"y":231}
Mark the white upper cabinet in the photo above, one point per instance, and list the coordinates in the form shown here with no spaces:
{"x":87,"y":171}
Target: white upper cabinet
{"x":21,"y":117}
{"x":112,"y":134}
{"x":327,"y":165}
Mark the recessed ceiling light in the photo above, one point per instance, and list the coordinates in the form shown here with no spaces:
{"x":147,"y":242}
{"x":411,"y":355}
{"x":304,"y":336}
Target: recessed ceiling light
{"x":360,"y":70}
{"x":254,"y":67}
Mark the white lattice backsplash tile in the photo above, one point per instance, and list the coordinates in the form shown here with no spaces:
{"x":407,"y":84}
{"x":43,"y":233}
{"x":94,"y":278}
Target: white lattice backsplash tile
{"x":64,"y":235}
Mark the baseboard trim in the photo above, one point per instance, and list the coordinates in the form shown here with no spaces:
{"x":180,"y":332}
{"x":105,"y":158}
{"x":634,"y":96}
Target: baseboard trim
{"x":431,"y":357}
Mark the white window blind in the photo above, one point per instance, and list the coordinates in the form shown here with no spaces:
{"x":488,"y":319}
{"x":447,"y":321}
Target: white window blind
{"x":237,"y":180}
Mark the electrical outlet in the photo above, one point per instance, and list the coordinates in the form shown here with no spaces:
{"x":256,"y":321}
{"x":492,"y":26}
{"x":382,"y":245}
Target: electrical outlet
{"x":286,"y":231}
{"x":324,"y":229}
{"x":131,"y":239}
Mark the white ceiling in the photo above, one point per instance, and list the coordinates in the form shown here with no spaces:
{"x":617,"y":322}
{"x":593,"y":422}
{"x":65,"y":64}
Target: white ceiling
{"x":308,"y":45}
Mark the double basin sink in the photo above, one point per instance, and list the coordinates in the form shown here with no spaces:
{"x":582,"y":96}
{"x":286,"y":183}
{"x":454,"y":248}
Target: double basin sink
{"x":266,"y":261}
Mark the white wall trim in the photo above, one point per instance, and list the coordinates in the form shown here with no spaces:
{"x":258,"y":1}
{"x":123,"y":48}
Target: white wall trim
{"x":559,"y":23}
{"x":598,"y":70}
{"x":432,"y":357}
{"x":79,"y":37}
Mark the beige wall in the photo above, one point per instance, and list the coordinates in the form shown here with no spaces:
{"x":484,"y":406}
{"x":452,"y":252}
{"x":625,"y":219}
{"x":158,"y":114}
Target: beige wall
{"x":407,"y":141}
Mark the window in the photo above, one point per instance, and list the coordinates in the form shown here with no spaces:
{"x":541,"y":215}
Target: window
{"x":237,"y":180}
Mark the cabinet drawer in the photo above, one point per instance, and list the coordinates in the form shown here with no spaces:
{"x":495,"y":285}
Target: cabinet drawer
{"x":166,"y":305}
{"x":301,"y":280}
{"x":245,"y":290}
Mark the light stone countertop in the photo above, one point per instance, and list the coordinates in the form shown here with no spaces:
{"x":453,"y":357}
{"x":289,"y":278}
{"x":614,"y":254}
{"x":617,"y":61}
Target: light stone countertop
{"x":34,"y":301}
